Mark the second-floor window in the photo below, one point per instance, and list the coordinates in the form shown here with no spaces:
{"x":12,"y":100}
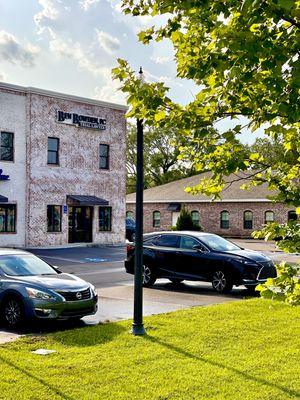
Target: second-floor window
{"x":53,"y":151}
{"x":104,"y":156}
{"x":7,"y":146}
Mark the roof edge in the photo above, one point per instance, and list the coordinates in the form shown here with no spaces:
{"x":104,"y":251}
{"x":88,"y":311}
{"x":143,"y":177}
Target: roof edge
{"x":63,"y":96}
{"x":204,"y":201}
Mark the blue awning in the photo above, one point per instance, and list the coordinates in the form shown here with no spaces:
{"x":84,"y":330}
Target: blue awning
{"x":3,"y":199}
{"x":80,"y":200}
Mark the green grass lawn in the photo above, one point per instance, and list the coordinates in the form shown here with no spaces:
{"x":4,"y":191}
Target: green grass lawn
{"x":240,"y":350}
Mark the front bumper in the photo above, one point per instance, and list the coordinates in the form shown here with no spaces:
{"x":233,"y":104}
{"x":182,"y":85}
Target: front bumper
{"x":45,"y":309}
{"x":266,"y":271}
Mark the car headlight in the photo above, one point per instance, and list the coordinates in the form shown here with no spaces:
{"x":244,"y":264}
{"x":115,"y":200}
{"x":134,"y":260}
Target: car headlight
{"x":93,"y":289}
{"x":39,"y":294}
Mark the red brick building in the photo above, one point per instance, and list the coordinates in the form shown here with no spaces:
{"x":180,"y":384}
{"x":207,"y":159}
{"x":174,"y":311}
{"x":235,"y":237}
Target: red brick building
{"x":238,"y":214}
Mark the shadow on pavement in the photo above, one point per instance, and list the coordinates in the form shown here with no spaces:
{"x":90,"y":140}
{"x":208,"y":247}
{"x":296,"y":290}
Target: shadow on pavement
{"x":200,"y":289}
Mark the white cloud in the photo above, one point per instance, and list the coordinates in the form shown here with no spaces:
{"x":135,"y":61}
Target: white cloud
{"x":2,"y":76}
{"x":161,"y":60}
{"x":108,"y":43}
{"x":13,"y":51}
{"x":48,"y":16}
{"x":74,"y":51}
{"x":87,"y":4}
{"x":110,"y":92}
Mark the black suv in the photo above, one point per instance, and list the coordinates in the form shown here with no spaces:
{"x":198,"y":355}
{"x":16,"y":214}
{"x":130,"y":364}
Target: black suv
{"x":199,"y":256}
{"x":130,"y":229}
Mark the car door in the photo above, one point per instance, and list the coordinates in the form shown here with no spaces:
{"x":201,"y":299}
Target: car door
{"x":165,"y":248}
{"x":193,"y":264}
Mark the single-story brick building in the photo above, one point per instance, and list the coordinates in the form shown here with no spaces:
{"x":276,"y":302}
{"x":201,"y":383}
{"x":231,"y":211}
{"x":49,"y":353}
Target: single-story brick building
{"x":239,"y":213}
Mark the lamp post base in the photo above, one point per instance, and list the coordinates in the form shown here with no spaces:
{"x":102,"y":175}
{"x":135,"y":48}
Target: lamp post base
{"x":138,"y":329}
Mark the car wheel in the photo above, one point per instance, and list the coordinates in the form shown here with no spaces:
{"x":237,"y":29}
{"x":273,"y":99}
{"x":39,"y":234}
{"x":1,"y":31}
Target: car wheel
{"x":12,"y":312}
{"x":251,"y":289}
{"x":176,"y":281}
{"x":148,"y":276}
{"x":221,"y":282}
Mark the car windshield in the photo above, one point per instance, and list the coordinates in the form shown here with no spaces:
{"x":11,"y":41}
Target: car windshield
{"x":24,"y":265}
{"x":217,"y":243}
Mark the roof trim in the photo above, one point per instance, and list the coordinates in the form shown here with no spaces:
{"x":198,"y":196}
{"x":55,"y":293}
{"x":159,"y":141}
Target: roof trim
{"x":62,"y":96}
{"x":205,"y":201}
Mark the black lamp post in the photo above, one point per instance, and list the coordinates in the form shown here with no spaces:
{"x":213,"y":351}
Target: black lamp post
{"x":138,"y":326}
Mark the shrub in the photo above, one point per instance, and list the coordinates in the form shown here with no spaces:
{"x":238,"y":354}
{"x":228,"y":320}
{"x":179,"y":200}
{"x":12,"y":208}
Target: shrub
{"x":185,"y":222}
{"x":286,"y":287}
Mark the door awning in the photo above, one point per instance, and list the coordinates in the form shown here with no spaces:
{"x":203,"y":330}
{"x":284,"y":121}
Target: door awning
{"x":3,"y":199}
{"x":79,"y":200}
{"x":174,"y":207}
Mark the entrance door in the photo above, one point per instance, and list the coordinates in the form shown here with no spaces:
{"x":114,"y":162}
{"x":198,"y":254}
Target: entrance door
{"x":80,"y":224}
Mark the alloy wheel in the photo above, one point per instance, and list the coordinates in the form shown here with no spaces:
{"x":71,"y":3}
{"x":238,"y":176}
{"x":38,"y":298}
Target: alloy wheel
{"x":219,"y":281}
{"x":12,"y":312}
{"x":146,"y":275}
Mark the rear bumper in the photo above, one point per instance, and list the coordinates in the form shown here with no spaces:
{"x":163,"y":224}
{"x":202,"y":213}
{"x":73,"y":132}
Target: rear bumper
{"x":62,"y":310}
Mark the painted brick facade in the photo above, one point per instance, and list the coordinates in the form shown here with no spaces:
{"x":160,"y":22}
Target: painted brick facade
{"x":78,"y":171}
{"x":210,"y":215}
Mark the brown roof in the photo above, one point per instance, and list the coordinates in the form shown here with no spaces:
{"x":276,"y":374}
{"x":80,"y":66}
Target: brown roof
{"x":174,"y":191}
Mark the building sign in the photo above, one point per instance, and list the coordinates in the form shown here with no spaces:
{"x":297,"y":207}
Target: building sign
{"x":65,"y":209}
{"x":82,"y":121}
{"x":3,"y":177}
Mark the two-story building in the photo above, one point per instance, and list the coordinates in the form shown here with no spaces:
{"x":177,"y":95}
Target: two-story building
{"x":62,"y":168}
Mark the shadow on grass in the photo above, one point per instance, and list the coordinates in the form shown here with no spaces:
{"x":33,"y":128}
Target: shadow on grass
{"x":47,"y":385}
{"x":223,"y":366}
{"x":90,"y":336}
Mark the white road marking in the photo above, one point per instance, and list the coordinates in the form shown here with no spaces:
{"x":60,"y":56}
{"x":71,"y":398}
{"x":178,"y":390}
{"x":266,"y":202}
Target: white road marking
{"x":100,"y":272}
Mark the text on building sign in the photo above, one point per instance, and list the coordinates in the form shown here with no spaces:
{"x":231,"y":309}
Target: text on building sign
{"x":82,"y":121}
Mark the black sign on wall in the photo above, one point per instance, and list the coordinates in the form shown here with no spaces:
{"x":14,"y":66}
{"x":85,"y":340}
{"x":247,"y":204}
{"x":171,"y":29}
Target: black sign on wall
{"x":82,"y":121}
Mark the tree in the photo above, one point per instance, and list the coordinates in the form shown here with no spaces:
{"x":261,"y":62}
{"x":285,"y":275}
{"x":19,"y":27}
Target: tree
{"x":185,"y":222}
{"x":161,"y":151}
{"x":245,"y":58}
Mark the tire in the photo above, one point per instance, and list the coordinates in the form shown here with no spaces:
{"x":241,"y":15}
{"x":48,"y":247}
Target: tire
{"x":12,"y":312}
{"x":251,"y":289}
{"x":221,"y":281}
{"x":149,"y":277}
{"x":176,"y":281}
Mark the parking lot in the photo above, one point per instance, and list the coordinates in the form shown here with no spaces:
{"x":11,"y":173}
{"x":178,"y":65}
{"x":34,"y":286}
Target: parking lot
{"x":104,"y":268}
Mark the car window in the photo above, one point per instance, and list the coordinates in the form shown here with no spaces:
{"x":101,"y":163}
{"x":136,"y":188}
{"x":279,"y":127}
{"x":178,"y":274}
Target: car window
{"x":187,"y":242}
{"x":217,"y":243}
{"x":24,"y":265}
{"x":149,"y":241}
{"x":167,"y":241}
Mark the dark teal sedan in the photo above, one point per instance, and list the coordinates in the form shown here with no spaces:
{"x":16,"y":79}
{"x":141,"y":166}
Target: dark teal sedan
{"x":30,"y":288}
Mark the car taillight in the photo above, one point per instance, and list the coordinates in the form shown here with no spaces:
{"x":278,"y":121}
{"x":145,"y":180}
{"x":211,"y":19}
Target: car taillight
{"x":129,"y":247}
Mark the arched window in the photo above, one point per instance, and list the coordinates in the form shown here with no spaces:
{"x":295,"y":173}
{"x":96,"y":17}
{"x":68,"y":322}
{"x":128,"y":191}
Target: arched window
{"x":156,"y":219}
{"x":224,"y":220}
{"x":269,"y":217}
{"x":129,"y":214}
{"x":292,"y":216}
{"x":248,"y":220}
{"x":196,"y":217}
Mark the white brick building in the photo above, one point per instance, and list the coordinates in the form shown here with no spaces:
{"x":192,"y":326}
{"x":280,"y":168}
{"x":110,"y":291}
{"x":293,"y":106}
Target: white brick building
{"x":63,"y":168}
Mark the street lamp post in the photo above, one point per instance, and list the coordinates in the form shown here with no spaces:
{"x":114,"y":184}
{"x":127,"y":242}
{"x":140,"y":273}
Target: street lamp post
{"x":138,"y":326}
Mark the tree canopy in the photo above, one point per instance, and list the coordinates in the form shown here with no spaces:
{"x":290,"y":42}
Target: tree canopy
{"x":244,"y":57}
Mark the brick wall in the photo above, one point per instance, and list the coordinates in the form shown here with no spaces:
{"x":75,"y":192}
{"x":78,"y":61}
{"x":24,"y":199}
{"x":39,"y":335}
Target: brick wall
{"x":210,"y":216}
{"x":78,"y":172}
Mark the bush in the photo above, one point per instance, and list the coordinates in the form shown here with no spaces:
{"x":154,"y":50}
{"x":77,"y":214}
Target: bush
{"x":185,"y":222}
{"x":286,"y":287}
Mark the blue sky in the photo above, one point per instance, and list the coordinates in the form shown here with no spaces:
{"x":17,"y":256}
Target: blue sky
{"x":70,"y":46}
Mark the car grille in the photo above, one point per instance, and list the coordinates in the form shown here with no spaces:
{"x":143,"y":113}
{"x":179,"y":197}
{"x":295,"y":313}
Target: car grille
{"x":268,"y":270}
{"x":76,"y":296}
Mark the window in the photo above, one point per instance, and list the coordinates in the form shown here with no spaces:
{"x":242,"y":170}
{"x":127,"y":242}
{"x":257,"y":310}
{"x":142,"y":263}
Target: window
{"x":187,"y":242}
{"x":8,"y":218}
{"x":53,"y":149}
{"x":196,"y":218}
{"x":156,"y":219}
{"x":269,"y":217}
{"x":7,"y":146}
{"x":129,"y":214}
{"x":104,"y":156}
{"x":248,"y":220}
{"x":54,"y":218}
{"x":167,"y":241}
{"x":292,"y":216}
{"x":105,"y":219}
{"x":224,"y":220}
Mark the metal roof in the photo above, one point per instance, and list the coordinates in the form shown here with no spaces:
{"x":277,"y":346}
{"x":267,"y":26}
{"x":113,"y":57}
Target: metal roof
{"x":79,"y":200}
